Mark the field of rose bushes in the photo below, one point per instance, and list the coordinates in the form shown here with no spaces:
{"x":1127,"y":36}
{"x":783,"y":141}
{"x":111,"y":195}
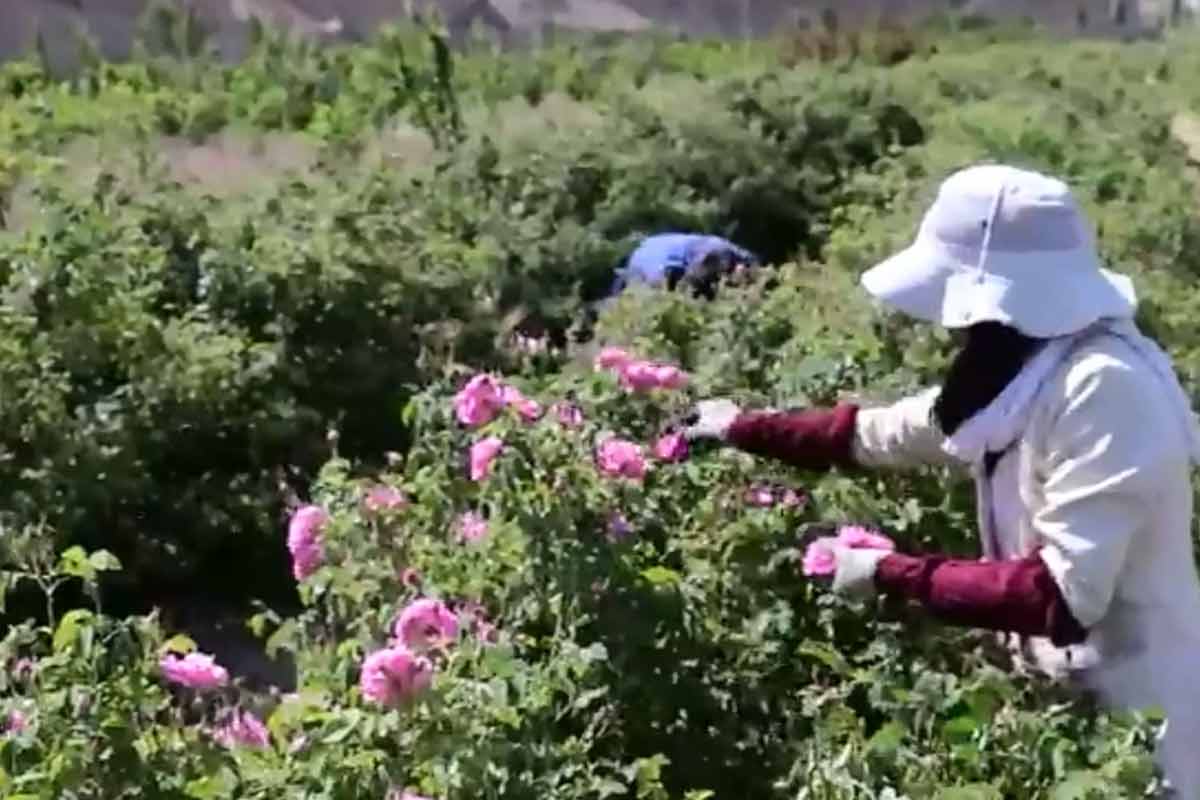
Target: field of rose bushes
{"x":362,"y":405}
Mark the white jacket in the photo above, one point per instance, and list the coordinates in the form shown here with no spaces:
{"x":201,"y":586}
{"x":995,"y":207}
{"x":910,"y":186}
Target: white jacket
{"x":1100,"y":480}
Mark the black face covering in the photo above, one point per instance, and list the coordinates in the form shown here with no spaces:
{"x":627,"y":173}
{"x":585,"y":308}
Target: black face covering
{"x":990,"y":359}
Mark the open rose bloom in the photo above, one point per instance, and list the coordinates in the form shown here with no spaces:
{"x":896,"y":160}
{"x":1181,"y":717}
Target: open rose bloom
{"x":645,"y":376}
{"x":671,"y":447}
{"x":398,"y":794}
{"x":472,"y":527}
{"x":382,"y":498}
{"x":394,"y":675}
{"x":479,"y":401}
{"x":304,"y":540}
{"x":760,"y":496}
{"x":764,"y":496}
{"x":858,"y":536}
{"x":426,"y":624}
{"x":16,"y":722}
{"x":619,"y":458}
{"x":569,"y":415}
{"x":820,"y":558}
{"x":529,"y":410}
{"x":610,"y":358}
{"x":195,"y":671}
{"x":483,"y":453}
{"x":639,"y":374}
{"x":243,"y":729}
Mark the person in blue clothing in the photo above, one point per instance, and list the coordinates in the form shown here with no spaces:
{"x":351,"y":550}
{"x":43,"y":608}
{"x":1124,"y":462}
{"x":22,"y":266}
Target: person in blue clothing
{"x":694,"y":261}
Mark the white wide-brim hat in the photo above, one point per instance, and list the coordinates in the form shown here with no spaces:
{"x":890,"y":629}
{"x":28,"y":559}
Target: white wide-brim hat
{"x":1001,"y":244}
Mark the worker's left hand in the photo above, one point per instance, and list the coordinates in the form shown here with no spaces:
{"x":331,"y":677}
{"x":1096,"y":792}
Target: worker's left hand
{"x":852,"y":568}
{"x":710,"y":419}
{"x":855,"y":572}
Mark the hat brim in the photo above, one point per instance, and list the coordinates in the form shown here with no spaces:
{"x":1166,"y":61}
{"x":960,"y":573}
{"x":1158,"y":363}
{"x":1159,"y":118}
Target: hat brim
{"x":1042,"y":294}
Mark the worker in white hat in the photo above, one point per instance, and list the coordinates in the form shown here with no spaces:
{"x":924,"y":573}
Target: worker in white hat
{"x":1076,"y":430}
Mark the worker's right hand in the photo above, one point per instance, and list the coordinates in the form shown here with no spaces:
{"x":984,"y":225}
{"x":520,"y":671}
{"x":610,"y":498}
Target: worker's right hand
{"x":710,"y":419}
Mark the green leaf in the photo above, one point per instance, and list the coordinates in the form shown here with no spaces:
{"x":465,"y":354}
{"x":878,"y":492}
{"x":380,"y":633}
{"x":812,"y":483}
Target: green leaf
{"x":594,"y":653}
{"x":826,"y":654}
{"x":1079,"y":785}
{"x":179,"y":643}
{"x":408,"y":414}
{"x":74,"y":562}
{"x":284,"y":638}
{"x":887,"y":740}
{"x":350,"y":724}
{"x":607,"y":787}
{"x":588,"y":697}
{"x":212,"y":787}
{"x":647,"y":774}
{"x":104,"y":561}
{"x":960,"y":729}
{"x":69,"y":628}
{"x":970,"y":791}
{"x":661,"y":576}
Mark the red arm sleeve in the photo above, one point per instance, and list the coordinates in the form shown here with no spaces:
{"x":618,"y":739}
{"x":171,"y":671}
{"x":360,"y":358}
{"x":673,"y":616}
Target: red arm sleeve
{"x":1014,"y":596}
{"x":816,"y":439}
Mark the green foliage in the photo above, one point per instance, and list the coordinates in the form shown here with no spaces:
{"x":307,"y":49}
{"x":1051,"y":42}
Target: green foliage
{"x":686,"y":659}
{"x":170,"y":357}
{"x":172,"y":367}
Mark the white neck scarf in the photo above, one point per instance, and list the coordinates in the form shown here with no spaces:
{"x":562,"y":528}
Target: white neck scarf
{"x":996,"y":427}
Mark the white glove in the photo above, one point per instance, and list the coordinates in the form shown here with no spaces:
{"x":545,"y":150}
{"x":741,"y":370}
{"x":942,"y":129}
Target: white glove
{"x":855,"y":574}
{"x":711,"y":419}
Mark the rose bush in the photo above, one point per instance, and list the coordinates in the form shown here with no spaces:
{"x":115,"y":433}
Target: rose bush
{"x":193,"y":346}
{"x":606,"y":638}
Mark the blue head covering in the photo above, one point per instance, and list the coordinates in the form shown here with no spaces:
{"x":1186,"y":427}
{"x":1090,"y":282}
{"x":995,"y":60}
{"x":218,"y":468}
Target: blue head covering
{"x":680,"y":254}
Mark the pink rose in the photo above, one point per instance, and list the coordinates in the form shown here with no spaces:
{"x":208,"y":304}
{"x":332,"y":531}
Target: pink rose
{"x":621,"y":459}
{"x":17,"y":722}
{"x":670,"y":377}
{"x":486,"y":632}
{"x":530,"y":410}
{"x":858,"y":536}
{"x":793,"y":499}
{"x":383,"y":497}
{"x":195,"y":671}
{"x":761,"y":496}
{"x":23,"y":669}
{"x":639,"y":376}
{"x":644,"y":376}
{"x":819,"y":558}
{"x":612,"y":358}
{"x":483,"y":453}
{"x":483,"y":628}
{"x":479,"y":401}
{"x":397,"y":794}
{"x":304,"y":540}
{"x":569,"y":415}
{"x":426,"y":624}
{"x":671,"y":447}
{"x":243,"y":729}
{"x":472,"y":527}
{"x":393,"y":675}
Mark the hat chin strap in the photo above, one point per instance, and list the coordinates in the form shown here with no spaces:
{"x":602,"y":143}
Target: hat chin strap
{"x":989,"y":225}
